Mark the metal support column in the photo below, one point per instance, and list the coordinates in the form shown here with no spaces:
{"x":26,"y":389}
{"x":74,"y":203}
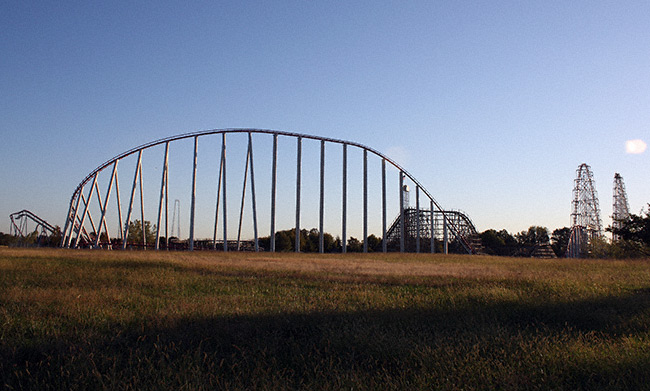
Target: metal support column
{"x":417,"y":218}
{"x":321,"y":237}
{"x":128,"y":214}
{"x":401,"y":212}
{"x":365,"y":200}
{"x":83,"y":216}
{"x":445,"y":236}
{"x":384,"y":244}
{"x":250,"y":147}
{"x":103,"y":218}
{"x":101,"y":208}
{"x":119,"y":205}
{"x":298,"y":168}
{"x":142,"y":226}
{"x":225,"y":205}
{"x":216,"y":213}
{"x":65,"y":227}
{"x":162,"y":194}
{"x":433,"y":229}
{"x":74,"y":218}
{"x":167,"y":208}
{"x":274,"y":171}
{"x":344,"y":212}
{"x":243,"y":198}
{"x":193,"y":205}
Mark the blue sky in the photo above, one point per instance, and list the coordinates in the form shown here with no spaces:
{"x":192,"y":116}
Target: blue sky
{"x":492,"y":106}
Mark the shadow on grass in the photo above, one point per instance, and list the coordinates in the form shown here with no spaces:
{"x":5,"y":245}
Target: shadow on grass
{"x":592,"y":344}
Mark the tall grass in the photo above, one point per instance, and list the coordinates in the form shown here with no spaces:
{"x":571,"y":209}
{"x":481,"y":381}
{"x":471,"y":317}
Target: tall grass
{"x":158,"y":320}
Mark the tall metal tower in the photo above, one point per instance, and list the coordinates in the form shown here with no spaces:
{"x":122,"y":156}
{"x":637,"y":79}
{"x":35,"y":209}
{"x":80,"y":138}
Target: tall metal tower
{"x":585,"y":218}
{"x":621,"y":209}
{"x":176,"y":218}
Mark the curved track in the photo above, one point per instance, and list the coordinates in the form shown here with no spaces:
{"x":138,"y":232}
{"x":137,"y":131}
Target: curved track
{"x":81,"y":229}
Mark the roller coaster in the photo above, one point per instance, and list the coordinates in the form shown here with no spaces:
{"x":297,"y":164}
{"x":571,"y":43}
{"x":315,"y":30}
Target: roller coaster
{"x":347,"y":197}
{"x":19,"y":226}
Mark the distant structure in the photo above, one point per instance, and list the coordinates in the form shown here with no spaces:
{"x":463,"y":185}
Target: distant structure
{"x":621,"y":209}
{"x":20,"y":229}
{"x":91,"y":213}
{"x":421,"y":227}
{"x":176,"y":218}
{"x":585,"y":218}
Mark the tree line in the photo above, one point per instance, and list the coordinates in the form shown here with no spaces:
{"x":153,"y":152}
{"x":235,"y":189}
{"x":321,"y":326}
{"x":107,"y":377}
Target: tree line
{"x":633,"y":234}
{"x":633,"y":242}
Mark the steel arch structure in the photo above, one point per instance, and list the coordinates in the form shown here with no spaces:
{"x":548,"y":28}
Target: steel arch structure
{"x":88,"y":226}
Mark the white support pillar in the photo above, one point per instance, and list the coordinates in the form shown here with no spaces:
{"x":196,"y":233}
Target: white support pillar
{"x":193,"y":205}
{"x":321,"y":237}
{"x":298,"y":184}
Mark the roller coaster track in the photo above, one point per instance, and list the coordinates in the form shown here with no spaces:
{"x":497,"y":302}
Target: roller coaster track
{"x":81,"y":212}
{"x":19,"y":223}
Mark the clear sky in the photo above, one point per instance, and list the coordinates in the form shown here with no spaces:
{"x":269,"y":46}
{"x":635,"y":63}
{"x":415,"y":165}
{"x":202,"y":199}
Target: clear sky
{"x":491,"y":105}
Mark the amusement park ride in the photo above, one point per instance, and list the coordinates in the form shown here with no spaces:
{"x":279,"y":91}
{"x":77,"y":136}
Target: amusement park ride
{"x":86,"y":223}
{"x":427,"y":227}
{"x":586,"y":224}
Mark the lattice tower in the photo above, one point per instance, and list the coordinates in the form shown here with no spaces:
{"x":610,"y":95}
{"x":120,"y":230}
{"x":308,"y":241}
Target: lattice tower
{"x":585,"y":218}
{"x":621,"y":209}
{"x":176,"y":219}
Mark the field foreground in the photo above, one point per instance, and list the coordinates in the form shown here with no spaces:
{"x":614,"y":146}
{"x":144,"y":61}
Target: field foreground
{"x":158,"y":320}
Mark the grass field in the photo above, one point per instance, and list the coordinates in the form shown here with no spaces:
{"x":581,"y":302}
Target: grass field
{"x":157,"y":320}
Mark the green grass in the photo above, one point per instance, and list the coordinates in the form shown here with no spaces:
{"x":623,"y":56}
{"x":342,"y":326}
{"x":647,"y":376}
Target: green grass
{"x":147,"y":320}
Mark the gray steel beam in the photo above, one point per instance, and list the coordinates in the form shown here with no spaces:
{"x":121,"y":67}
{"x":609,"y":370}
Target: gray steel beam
{"x":298,"y":179}
{"x":250,"y":147}
{"x":83,"y":216}
{"x":274,"y":172}
{"x":193,"y":205}
{"x":103,"y":208}
{"x":225,"y":204}
{"x":74,"y":218}
{"x":401,"y":212}
{"x":216,"y":213}
{"x":119,"y":205}
{"x":384,"y":244}
{"x":365,"y":200}
{"x":144,"y":233}
{"x":417,"y":218}
{"x":433,"y":230}
{"x":128,"y":215}
{"x":445,"y":236}
{"x":167,"y":208}
{"x":321,"y":237}
{"x":344,"y":212}
{"x":162,"y":194}
{"x":243,"y":198}
{"x":65,"y":227}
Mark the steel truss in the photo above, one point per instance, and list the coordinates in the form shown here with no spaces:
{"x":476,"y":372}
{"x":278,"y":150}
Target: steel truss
{"x":620,"y":208}
{"x":585,"y":218}
{"x":422,"y":233}
{"x":80,"y":215}
{"x":19,"y":222}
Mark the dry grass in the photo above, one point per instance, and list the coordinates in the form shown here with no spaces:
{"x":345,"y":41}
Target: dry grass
{"x":152,"y":320}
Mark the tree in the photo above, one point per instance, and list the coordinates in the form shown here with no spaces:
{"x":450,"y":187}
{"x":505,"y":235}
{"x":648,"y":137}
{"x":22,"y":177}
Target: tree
{"x":535,"y":236}
{"x":374,"y":243}
{"x":498,"y":243}
{"x":135,"y":232}
{"x":354,"y":245}
{"x":560,"y":240}
{"x":634,"y":234}
{"x":492,"y":243}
